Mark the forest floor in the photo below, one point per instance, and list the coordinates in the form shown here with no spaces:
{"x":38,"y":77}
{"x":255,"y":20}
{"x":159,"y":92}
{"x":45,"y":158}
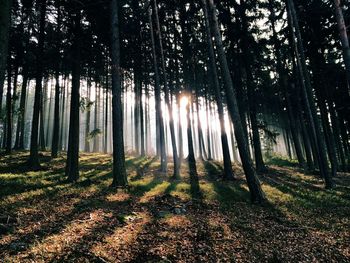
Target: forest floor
{"x":44,"y":219}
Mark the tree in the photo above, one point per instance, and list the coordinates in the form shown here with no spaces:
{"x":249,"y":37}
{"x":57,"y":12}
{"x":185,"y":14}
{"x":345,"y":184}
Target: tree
{"x":167,"y":99}
{"x":343,"y":37}
{"x":5,"y":21}
{"x":228,"y":175}
{"x":119,"y":172}
{"x":309,"y":103}
{"x":34,"y":154}
{"x":256,"y":192}
{"x":56,"y":121}
{"x":72,"y":164}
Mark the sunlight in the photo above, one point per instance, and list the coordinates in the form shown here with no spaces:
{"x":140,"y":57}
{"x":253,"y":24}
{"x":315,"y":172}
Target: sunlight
{"x":184,"y":101}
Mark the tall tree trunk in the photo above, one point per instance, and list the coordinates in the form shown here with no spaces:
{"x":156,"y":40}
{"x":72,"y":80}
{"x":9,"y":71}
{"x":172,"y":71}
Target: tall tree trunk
{"x":167,"y":98}
{"x":119,"y":171}
{"x":307,"y":95}
{"x":56,"y":119}
{"x":105,"y":144}
{"x":254,"y":186}
{"x":247,"y":61}
{"x":335,"y":126}
{"x":142,"y":126}
{"x":5,"y":23}
{"x":9,"y":110}
{"x":72,"y":164}
{"x":228,"y":172}
{"x":63,"y":119}
{"x":159,"y":114}
{"x":88,"y":114}
{"x":49,"y":101}
{"x":207,"y":113}
{"x":343,"y":37}
{"x":34,"y":154}
{"x":185,"y":29}
{"x":42,"y":116}
{"x":137,"y":101}
{"x":96,"y":145}
{"x":283,"y":82}
{"x":22,"y":107}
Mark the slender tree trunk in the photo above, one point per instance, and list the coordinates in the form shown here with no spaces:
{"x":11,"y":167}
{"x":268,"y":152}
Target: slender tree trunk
{"x":72,"y":164}
{"x":186,"y":33}
{"x":9,"y":110}
{"x":88,"y":114}
{"x":137,"y":101}
{"x":159,"y":114}
{"x":42,"y":116}
{"x":248,"y":58}
{"x":147,"y":122}
{"x":56,"y":119}
{"x":62,"y":131}
{"x":228,"y":172}
{"x":283,"y":82}
{"x":119,"y":171}
{"x":335,"y":126}
{"x":254,"y":186}
{"x":21,"y":116}
{"x":49,"y":101}
{"x":5,"y":23}
{"x":310,"y":106}
{"x":106,"y":114}
{"x":96,"y":138}
{"x":343,"y":37}
{"x":166,"y":90}
{"x":142,"y":126}
{"x":34,"y":154}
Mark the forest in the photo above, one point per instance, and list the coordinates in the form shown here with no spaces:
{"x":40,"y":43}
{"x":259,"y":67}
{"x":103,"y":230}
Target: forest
{"x":174,"y":131}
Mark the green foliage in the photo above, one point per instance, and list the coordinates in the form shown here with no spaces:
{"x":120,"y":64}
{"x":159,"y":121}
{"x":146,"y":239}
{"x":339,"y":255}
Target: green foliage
{"x":282,"y":161}
{"x":93,"y":134}
{"x":85,"y":104}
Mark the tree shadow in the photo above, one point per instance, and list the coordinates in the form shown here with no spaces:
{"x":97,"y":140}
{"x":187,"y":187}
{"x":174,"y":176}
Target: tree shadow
{"x":227,"y":192}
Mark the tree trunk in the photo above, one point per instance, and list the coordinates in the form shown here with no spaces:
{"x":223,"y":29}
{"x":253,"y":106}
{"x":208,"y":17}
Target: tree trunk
{"x":119,"y":171}
{"x":72,"y":164}
{"x":283,"y":82}
{"x":254,"y":186}
{"x":167,"y":99}
{"x":307,"y":95}
{"x":62,"y":131}
{"x":88,"y":113}
{"x":56,"y":119}
{"x":228,"y":172}
{"x":19,"y":144}
{"x":159,"y":114}
{"x":105,"y":144}
{"x":9,"y":110}
{"x":34,"y":154}
{"x":343,"y":37}
{"x":5,"y":23}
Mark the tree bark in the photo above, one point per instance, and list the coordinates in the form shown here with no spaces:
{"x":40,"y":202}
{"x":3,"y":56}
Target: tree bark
{"x":34,"y":154}
{"x":9,"y":110}
{"x":56,"y":119}
{"x":72,"y":164}
{"x":254,"y":186}
{"x":5,"y":23}
{"x":307,"y":95}
{"x":119,"y":171}
{"x":159,"y":114}
{"x":228,"y":172}
{"x":343,"y":37}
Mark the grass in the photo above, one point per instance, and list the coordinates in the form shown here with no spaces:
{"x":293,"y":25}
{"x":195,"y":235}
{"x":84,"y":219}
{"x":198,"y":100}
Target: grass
{"x":158,"y":219}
